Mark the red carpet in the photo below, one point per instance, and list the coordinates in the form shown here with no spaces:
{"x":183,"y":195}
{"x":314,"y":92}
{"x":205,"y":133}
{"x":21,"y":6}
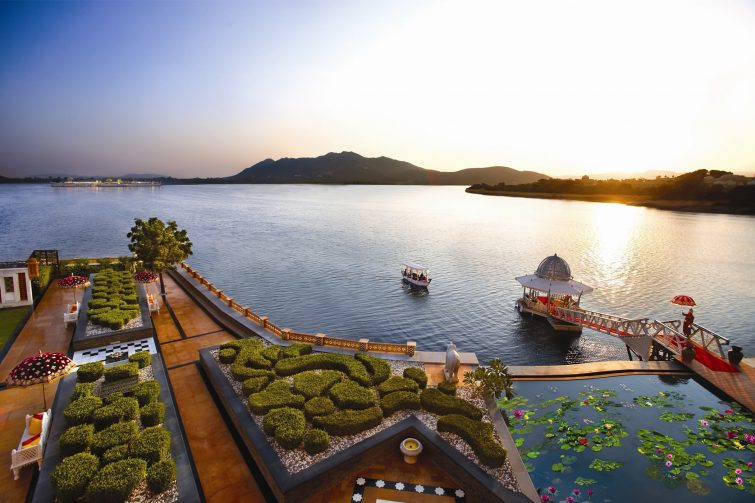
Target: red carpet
{"x":713,"y":362}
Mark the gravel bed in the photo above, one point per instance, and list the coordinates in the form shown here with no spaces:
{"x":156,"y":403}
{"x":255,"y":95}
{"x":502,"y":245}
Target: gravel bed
{"x":142,"y":494}
{"x":93,"y":329}
{"x":144,"y":374}
{"x":296,"y":460}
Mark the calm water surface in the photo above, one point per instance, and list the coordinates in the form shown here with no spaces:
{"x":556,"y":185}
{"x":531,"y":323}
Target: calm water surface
{"x":326,"y":258}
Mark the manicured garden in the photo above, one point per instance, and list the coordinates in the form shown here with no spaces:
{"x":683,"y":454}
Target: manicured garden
{"x":114,"y":301}
{"x":115,"y":447}
{"x":304,"y":401}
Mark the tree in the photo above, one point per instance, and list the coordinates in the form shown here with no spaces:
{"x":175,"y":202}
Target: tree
{"x":490,"y":381}
{"x":159,"y":246}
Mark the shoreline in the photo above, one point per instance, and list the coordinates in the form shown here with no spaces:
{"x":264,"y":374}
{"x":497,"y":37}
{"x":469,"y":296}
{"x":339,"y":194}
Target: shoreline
{"x":690,"y":206}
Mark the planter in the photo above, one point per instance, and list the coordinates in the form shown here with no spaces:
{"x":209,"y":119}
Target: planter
{"x":735,"y":355}
{"x":410,"y":448}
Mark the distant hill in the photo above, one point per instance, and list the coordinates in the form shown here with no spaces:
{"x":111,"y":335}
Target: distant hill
{"x":349,"y":167}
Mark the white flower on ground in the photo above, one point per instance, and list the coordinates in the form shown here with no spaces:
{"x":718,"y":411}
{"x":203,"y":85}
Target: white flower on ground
{"x":419,"y":488}
{"x":399,"y":486}
{"x":357,"y":497}
{"x":459,"y":493}
{"x":379,"y":483}
{"x":361,"y":481}
{"x":439,"y":491}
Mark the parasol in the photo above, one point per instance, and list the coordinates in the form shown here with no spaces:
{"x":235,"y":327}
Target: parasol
{"x":683,"y":300}
{"x":73,"y":282}
{"x":146,"y":277}
{"x":40,"y":368}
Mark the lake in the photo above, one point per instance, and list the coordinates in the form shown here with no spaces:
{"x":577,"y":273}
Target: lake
{"x":322,"y":258}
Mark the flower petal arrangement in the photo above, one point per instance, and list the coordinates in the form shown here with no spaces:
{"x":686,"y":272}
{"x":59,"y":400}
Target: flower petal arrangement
{"x":40,"y":368}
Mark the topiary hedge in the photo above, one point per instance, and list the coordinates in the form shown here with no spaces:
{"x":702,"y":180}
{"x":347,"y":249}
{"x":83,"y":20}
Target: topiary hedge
{"x":297,"y":349}
{"x":396,"y":383}
{"x":114,"y":454}
{"x":417,"y":375}
{"x":252,"y":358}
{"x":146,"y":392}
{"x":242,"y":372}
{"x":287,"y":425}
{"x":277,"y":394}
{"x":312,"y":383}
{"x":316,"y":441}
{"x":350,"y":395}
{"x":82,"y":389}
{"x":271,"y":353}
{"x":447,"y":387}
{"x":141,"y":358}
{"x":122,"y":409}
{"x":227,"y":355}
{"x":122,"y":371}
{"x":240,"y":344}
{"x":76,"y":439}
{"x":348,"y":422}
{"x":71,"y":477}
{"x":161,"y":475}
{"x":152,"y":445}
{"x":479,"y":435}
{"x":114,"y":302}
{"x":116,"y":434}
{"x":152,"y":414}
{"x":112,"y":397}
{"x":379,"y":369}
{"x":80,"y":411}
{"x":439,"y":403}
{"x":115,"y":481}
{"x":254,"y":385}
{"x":90,"y":372}
{"x":346,"y":364}
{"x":399,"y":400}
{"x":319,"y":406}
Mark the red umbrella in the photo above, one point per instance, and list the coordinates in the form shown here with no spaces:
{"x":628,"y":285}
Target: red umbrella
{"x":40,"y":368}
{"x":146,"y":277}
{"x":683,"y":300}
{"x":73,"y":282}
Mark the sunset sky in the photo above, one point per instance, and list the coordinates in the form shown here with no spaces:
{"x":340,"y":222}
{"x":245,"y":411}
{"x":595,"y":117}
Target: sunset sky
{"x":206,"y":88}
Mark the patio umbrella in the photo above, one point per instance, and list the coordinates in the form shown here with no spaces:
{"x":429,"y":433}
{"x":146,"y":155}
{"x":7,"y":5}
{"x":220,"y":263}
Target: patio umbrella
{"x":146,"y":277}
{"x":40,"y":368}
{"x":73,"y":282}
{"x":683,"y":300}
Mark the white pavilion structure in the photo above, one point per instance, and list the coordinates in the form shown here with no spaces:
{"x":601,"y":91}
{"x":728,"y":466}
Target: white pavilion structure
{"x":551,"y":285}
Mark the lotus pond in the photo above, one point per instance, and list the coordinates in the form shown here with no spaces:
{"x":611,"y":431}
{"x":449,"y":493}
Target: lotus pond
{"x":632,"y":438}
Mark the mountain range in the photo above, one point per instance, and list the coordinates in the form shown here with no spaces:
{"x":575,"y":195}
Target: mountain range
{"x":349,"y":167}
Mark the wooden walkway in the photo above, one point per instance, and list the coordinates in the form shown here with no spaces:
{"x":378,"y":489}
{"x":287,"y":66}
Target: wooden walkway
{"x":738,"y":385}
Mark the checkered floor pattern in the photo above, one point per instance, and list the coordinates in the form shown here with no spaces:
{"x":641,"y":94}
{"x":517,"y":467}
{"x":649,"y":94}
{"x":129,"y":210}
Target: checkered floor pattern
{"x":99,"y":354}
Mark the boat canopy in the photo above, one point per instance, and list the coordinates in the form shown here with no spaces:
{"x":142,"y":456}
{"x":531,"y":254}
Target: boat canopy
{"x":416,"y":267}
{"x":570,"y":287}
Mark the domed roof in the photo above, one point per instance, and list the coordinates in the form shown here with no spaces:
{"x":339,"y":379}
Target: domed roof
{"x":554,"y":268}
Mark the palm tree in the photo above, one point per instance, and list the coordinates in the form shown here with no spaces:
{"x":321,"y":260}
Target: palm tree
{"x":159,"y":246}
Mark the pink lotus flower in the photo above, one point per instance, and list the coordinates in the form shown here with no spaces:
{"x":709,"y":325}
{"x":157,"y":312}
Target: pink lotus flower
{"x":704,"y":423}
{"x":589,"y":492}
{"x":569,"y":499}
{"x":518,"y":413}
{"x":659,"y":450}
{"x":545,"y":497}
{"x":669,"y":464}
{"x":552,"y":489}
{"x":576,"y":492}
{"x":749,"y":464}
{"x":669,"y":456}
{"x":738,"y":471}
{"x":739,"y":481}
{"x":728,"y":411}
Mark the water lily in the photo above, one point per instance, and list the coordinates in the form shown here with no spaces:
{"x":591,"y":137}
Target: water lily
{"x":669,"y":456}
{"x":552,"y":489}
{"x":518,"y":413}
{"x":669,"y":464}
{"x":704,"y":423}
{"x":569,"y":499}
{"x":739,"y":481}
{"x":738,"y":471}
{"x":728,"y":411}
{"x":589,"y":492}
{"x":731,"y":435}
{"x":659,"y":450}
{"x":576,"y":492}
{"x":749,"y":464}
{"x":582,"y":440}
{"x":545,"y":497}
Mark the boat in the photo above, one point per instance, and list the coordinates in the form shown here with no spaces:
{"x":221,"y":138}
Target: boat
{"x":415,"y":274}
{"x":106,"y":183}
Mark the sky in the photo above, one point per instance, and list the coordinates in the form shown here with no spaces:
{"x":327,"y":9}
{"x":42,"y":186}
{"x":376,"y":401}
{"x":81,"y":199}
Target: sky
{"x":208,"y":88}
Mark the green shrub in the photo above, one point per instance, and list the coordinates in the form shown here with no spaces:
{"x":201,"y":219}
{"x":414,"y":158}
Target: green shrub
{"x":152,"y":414}
{"x":439,"y":403}
{"x":114,"y":454}
{"x":312,"y":383}
{"x":287,"y":425}
{"x":105,"y":416}
{"x":71,"y":477}
{"x":80,"y":411}
{"x":240,"y":344}
{"x":297,"y":349}
{"x":479,"y":435}
{"x":161,"y":475}
{"x":129,"y":406}
{"x":123,"y":371}
{"x":417,"y":375}
{"x":252,"y":358}
{"x":316,"y":441}
{"x":112,"y":397}
{"x":152,"y":445}
{"x":254,"y":385}
{"x":141,"y":358}
{"x":400,"y":400}
{"x":227,"y":355}
{"x":115,"y":481}
{"x":277,"y":394}
{"x":90,"y":372}
{"x":447,"y":387}
{"x":350,"y":395}
{"x":271,"y":353}
{"x":396,"y":383}
{"x":76,"y":439}
{"x":346,"y":364}
{"x":379,"y":369}
{"x":146,"y":392}
{"x":81,"y":390}
{"x":97,"y":303}
{"x":116,"y":434}
{"x":348,"y":422}
{"x":319,"y":406}
{"x":241,"y":372}
{"x":131,"y":299}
